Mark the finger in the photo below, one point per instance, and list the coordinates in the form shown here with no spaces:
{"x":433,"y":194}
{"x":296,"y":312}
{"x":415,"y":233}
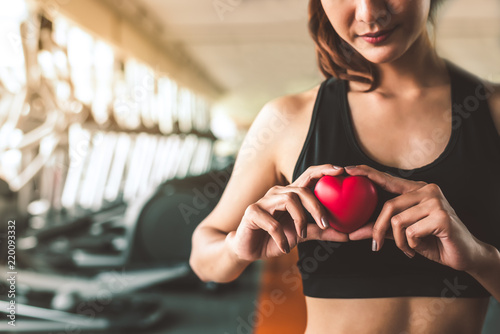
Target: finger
{"x":263,"y":220}
{"x":314,"y":232}
{"x":386,"y":181}
{"x":391,"y":208}
{"x":366,"y":232}
{"x":402,"y":221}
{"x":289,"y":201}
{"x":314,"y":173}
{"x":423,"y":228}
{"x":313,"y":206}
{"x":293,"y":200}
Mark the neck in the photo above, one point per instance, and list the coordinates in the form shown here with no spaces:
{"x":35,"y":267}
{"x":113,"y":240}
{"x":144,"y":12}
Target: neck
{"x":419,"y":67}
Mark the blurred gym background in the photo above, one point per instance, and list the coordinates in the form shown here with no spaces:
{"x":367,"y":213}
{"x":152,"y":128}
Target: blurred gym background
{"x":119,"y":124}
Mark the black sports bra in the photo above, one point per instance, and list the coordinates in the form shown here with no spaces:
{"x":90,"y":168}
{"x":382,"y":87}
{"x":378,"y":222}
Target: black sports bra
{"x":467,"y":171}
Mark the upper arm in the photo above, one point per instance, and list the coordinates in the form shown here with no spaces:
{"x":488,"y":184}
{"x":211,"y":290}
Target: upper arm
{"x":254,"y":172}
{"x":494,"y":102}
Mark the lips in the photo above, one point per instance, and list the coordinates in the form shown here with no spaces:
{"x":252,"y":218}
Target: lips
{"x":377,"y":33}
{"x":377,"y":36}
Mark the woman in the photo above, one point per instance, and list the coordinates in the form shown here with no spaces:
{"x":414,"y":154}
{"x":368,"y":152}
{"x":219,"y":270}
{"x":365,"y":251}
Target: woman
{"x":427,"y":134}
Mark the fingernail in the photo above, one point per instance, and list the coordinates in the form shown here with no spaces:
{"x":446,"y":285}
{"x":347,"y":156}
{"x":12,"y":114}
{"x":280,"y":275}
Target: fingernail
{"x":324,"y":222}
{"x":336,"y":167}
{"x":408,"y":254}
{"x":304,"y":233}
{"x":350,"y":167}
{"x":374,"y":245}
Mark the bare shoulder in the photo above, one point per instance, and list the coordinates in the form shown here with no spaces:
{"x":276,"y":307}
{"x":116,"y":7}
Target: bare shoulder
{"x":278,"y":117}
{"x":291,"y":116}
{"x":282,"y":115}
{"x":274,"y":130}
{"x":494,"y":103}
{"x":293,"y":105}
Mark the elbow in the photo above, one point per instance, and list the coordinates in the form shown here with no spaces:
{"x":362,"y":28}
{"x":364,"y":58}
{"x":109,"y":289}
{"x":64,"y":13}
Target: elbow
{"x":205,"y":263}
{"x":194,"y":262}
{"x":198,"y":269}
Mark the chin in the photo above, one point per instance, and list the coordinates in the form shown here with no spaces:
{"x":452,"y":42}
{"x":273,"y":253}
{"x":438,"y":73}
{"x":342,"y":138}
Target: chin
{"x":381,"y":55}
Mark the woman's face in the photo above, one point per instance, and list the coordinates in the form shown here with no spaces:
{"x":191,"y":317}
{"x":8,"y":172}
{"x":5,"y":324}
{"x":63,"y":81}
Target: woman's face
{"x":380,"y":30}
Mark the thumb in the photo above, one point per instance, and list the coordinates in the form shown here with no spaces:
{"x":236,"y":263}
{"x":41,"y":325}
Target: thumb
{"x":314,"y":232}
{"x":366,"y":232}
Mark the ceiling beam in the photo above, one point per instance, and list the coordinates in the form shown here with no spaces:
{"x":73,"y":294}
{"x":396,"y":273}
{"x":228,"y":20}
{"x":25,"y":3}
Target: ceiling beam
{"x":129,"y":28}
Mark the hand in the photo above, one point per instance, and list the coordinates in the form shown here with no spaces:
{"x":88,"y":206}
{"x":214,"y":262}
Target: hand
{"x":422,"y":221}
{"x":277,"y":222}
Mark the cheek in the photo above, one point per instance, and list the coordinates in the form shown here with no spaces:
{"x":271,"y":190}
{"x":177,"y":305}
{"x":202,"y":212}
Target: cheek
{"x":397,"y":7}
{"x":340,"y":17}
{"x":412,"y":14}
{"x":342,"y":29}
{"x":342,"y":25}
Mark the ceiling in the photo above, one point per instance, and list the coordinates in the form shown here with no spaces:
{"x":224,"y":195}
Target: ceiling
{"x":258,"y":50}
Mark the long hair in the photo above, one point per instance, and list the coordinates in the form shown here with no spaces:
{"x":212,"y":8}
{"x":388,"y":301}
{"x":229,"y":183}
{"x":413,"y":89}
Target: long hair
{"x":335,"y":56}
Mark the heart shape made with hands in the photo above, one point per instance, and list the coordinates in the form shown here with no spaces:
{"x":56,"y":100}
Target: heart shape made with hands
{"x":350,"y":199}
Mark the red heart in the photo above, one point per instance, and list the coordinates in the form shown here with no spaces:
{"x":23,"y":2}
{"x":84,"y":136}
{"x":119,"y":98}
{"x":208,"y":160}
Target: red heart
{"x":350,"y":199}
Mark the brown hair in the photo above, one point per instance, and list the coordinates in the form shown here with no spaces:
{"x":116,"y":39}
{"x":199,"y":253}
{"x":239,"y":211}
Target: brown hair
{"x":335,"y":56}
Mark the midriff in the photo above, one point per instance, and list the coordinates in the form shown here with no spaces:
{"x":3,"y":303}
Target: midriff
{"x":399,"y":315}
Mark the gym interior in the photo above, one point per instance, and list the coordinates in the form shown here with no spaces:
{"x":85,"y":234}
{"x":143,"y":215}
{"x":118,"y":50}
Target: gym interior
{"x":120,"y":121}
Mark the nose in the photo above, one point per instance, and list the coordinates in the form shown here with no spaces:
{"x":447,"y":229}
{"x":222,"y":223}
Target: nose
{"x":371,"y":11}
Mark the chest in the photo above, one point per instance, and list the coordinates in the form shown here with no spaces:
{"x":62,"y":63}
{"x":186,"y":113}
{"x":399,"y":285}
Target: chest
{"x":397,"y":133}
{"x":402,"y":133}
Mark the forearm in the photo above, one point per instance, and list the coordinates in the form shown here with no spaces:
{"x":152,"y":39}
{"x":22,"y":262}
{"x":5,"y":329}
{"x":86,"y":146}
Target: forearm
{"x":212,"y":259}
{"x":487,"y":271}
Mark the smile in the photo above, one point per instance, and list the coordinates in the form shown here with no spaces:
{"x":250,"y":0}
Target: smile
{"x":378,"y":36}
